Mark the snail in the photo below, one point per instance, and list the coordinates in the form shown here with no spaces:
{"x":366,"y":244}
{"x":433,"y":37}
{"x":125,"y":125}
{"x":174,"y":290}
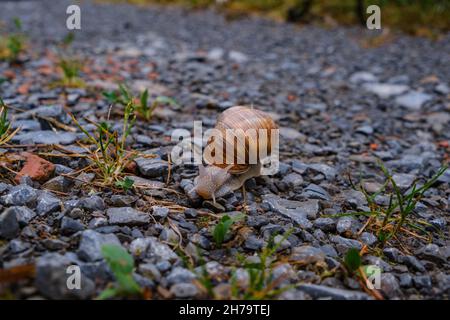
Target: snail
{"x":241,"y":139}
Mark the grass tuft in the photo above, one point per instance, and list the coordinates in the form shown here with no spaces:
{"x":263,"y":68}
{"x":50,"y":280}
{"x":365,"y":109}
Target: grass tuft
{"x":12,"y":45}
{"x":140,"y":104}
{"x":110,"y":157}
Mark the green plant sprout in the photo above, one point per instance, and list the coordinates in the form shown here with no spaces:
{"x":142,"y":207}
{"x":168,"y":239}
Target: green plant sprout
{"x":388,"y":221}
{"x":222,"y":228}
{"x":121,"y":264}
{"x":141,"y":105}
{"x":110,"y":156}
{"x":11,"y":46}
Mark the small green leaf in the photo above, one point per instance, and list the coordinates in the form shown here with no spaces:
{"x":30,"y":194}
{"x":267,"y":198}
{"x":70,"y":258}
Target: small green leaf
{"x":221,"y":229}
{"x":17,"y":23}
{"x":125,"y":184}
{"x":108,"y":293}
{"x":352,"y":259}
{"x":144,"y":99}
{"x":118,"y":259}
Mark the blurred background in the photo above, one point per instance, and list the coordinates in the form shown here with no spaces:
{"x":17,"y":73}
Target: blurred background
{"x":417,"y":17}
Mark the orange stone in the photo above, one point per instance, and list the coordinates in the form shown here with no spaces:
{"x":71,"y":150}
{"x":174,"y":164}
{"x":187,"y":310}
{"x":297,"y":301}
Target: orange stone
{"x":36,"y":168}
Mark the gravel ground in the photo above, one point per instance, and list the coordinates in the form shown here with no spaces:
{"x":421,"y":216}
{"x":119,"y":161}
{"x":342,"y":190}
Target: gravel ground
{"x":340,"y":105}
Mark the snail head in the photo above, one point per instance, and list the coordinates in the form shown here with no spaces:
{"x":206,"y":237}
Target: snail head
{"x":210,"y":179}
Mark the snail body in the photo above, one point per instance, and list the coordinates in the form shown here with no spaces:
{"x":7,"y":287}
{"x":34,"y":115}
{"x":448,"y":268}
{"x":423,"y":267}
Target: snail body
{"x":242,"y":137}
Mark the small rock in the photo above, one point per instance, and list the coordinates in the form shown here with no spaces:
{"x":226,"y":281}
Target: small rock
{"x":413,"y":100}
{"x":390,"y":286}
{"x":362,"y":76}
{"x":180,"y":275}
{"x":160,"y":212}
{"x":313,"y":191}
{"x":293,"y":180}
{"x":52,"y":278}
{"x":54,"y":244}
{"x":152,"y":167}
{"x":392,"y":254}
{"x":184,"y":290}
{"x":92,"y":203}
{"x":343,"y":244}
{"x":45,"y":137}
{"x":91,"y":243}
{"x":190,"y":213}
{"x":385,"y":90}
{"x":431,"y":252}
{"x":59,"y":183}
{"x":305,"y":255}
{"x":214,"y":206}
{"x":291,"y":134}
{"x":368,"y":238}
{"x":403,"y":180}
{"x":319,"y":291}
{"x":422,"y":282}
{"x":36,"y":168}
{"x":9,"y":226}
{"x":70,"y":226}
{"x":412,"y":262}
{"x":329,"y":172}
{"x":21,"y":195}
{"x":127,"y":216}
{"x":325,"y":224}
{"x":47,"y":203}
{"x":23,"y":214}
{"x":406,"y":280}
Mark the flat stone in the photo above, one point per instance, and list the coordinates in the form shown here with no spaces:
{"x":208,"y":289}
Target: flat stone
{"x":413,"y":100}
{"x":180,"y":275}
{"x":92,"y":203}
{"x":414,"y":263}
{"x":151,"y":248}
{"x":362,"y":77}
{"x":59,"y":184}
{"x":325,"y":224}
{"x":385,"y":90}
{"x":184,"y":290}
{"x":344,"y":244}
{"x":45,"y":137}
{"x":21,"y":195}
{"x":152,"y":167}
{"x":314,"y":191}
{"x":307,"y":255}
{"x":404,"y":180}
{"x":291,"y":134}
{"x":91,"y":243}
{"x":127,"y":216}
{"x":329,"y":172}
{"x":319,"y":291}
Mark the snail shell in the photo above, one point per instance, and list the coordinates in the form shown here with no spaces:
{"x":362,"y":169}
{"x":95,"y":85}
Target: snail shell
{"x":240,"y":119}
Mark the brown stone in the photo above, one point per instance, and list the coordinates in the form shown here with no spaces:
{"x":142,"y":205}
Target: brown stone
{"x":36,"y":168}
